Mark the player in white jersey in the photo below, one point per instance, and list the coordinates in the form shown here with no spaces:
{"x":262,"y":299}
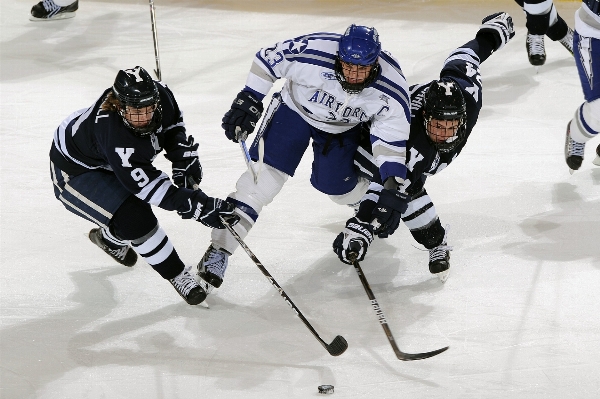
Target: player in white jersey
{"x":585,"y":125}
{"x":333,"y":84}
{"x":543,"y":19}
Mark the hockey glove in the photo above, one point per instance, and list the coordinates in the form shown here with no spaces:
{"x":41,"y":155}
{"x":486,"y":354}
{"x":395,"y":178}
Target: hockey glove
{"x":241,"y":119}
{"x":388,"y":211}
{"x":207,"y":210}
{"x":500,"y":25}
{"x":355,"y":240}
{"x":187,"y":170}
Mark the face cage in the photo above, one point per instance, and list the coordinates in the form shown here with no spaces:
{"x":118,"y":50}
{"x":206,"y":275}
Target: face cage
{"x":354,"y":88}
{"x":151,"y":127}
{"x":446,"y":146}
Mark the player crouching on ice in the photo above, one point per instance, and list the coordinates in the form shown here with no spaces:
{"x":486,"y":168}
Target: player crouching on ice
{"x":443,"y":114}
{"x":101,"y":167}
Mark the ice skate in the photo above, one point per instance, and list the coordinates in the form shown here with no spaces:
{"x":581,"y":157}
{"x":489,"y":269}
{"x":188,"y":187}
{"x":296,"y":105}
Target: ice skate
{"x":535,"y":49}
{"x":573,"y":151}
{"x":48,"y":10}
{"x":567,"y":41}
{"x":439,"y":259}
{"x":597,"y":159}
{"x":211,"y":269}
{"x":188,"y":288}
{"x":123,"y":254}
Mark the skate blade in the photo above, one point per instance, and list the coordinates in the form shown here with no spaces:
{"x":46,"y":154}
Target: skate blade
{"x":443,"y":276}
{"x":64,"y":15}
{"x":596,"y":161}
{"x":571,"y":171}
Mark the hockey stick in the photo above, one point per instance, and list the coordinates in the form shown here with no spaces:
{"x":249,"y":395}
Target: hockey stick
{"x":337,"y":346}
{"x":247,"y":158}
{"x":155,"y":37}
{"x":399,"y":354}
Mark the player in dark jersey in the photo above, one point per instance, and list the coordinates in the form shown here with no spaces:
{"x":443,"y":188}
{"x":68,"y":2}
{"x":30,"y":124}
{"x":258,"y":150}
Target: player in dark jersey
{"x":101,"y":167}
{"x":443,"y":114}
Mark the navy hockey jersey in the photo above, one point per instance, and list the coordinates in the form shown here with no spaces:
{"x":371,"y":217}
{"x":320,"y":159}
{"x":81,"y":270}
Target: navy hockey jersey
{"x":94,"y":139}
{"x":462,"y":66}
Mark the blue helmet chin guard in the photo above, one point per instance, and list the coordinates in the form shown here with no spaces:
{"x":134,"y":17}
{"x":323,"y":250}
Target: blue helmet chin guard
{"x":359,"y":45}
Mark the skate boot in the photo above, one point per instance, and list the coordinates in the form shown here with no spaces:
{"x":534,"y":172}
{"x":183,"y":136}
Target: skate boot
{"x":535,"y":49}
{"x":597,"y":160}
{"x":573,"y":151}
{"x":188,"y":288}
{"x":123,"y":254}
{"x":211,"y":269}
{"x":48,"y":10}
{"x":439,"y":259}
{"x":567,"y":41}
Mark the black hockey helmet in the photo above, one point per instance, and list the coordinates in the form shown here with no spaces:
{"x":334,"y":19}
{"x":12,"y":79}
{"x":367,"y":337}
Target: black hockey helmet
{"x":359,"y":47}
{"x":444,"y":101}
{"x":135,"y":88}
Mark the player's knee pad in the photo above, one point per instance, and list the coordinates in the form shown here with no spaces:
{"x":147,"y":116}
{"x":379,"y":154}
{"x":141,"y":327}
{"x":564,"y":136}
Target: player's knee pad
{"x":353,"y":197}
{"x":249,"y":197}
{"x":420,"y":212}
{"x":134,"y":219}
{"x":430,"y":236}
{"x":586,"y":122}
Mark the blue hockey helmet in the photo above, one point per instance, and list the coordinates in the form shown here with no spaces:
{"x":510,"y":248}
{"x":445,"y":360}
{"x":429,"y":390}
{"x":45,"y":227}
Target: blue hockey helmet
{"x":356,"y":65}
{"x":135,"y":88}
{"x":359,"y":45}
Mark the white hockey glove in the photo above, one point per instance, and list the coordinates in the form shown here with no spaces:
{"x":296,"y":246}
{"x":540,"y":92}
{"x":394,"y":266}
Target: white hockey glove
{"x":501,"y":26}
{"x":355,"y":239}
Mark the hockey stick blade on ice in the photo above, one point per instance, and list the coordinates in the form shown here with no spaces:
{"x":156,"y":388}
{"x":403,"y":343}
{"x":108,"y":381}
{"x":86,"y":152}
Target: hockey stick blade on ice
{"x":337,"y":346}
{"x":382,"y":320}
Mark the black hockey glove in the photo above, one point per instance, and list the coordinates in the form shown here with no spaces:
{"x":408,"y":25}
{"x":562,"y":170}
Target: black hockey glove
{"x":241,"y":119}
{"x":388,"y":211}
{"x":355,"y":239}
{"x":500,"y":25}
{"x":207,"y":210}
{"x":187,"y":170}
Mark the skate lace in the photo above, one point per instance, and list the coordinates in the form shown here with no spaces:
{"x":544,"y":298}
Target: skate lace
{"x":536,"y":44}
{"x":567,"y":41}
{"x":441,"y":250}
{"x":118,"y":253}
{"x":216,"y":262}
{"x":50,"y":5}
{"x":576,"y":148}
{"x":184,"y":283}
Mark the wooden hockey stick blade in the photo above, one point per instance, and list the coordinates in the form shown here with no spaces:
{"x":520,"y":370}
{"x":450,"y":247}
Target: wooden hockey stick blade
{"x":337,"y":346}
{"x":419,"y":356}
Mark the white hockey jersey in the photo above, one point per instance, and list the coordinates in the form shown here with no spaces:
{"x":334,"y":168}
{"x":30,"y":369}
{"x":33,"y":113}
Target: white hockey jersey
{"x":312,"y":90}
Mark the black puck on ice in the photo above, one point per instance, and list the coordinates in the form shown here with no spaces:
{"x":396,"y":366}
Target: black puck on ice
{"x":325,"y":389}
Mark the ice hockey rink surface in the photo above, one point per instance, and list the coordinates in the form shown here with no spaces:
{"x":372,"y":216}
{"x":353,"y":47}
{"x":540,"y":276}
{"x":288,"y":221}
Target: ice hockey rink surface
{"x":520,"y":310}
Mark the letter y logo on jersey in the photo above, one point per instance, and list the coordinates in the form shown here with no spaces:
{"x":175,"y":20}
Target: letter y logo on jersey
{"x":125,"y":153}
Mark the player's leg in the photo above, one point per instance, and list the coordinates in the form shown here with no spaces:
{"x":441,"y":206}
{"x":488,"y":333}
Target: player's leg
{"x":585,"y":124}
{"x":52,"y":10}
{"x":124,"y":220}
{"x":538,"y":13}
{"x":286,"y":138}
{"x":424,"y":224}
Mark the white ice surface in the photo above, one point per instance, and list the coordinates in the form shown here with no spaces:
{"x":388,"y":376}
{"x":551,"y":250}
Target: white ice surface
{"x":520,"y":310}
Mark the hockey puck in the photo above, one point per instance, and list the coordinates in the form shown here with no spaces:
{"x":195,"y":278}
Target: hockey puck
{"x":325,"y":389}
